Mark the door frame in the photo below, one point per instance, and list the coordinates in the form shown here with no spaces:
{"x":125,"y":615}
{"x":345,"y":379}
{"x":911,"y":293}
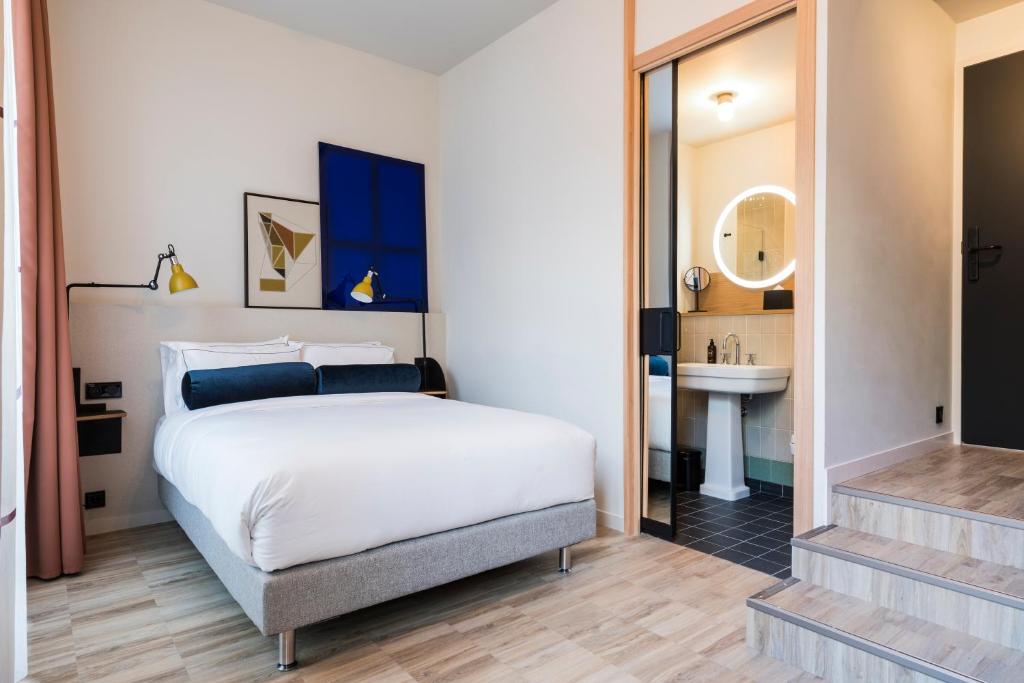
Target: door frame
{"x":970,"y":57}
{"x":729,"y":24}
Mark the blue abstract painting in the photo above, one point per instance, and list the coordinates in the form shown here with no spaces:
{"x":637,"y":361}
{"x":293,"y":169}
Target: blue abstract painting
{"x":372,"y":214}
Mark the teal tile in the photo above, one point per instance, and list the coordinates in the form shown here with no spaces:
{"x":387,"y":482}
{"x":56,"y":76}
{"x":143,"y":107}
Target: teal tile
{"x":759,"y":469}
{"x":782,"y":473}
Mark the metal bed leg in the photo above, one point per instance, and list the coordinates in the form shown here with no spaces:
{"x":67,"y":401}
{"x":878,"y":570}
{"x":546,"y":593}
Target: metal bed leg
{"x":565,"y":560}
{"x":286,"y":651}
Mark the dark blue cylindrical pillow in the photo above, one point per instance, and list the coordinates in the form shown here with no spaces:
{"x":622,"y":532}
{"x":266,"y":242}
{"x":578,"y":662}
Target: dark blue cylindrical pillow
{"x":205,"y":388}
{"x":363,"y":379}
{"x":659,"y":366}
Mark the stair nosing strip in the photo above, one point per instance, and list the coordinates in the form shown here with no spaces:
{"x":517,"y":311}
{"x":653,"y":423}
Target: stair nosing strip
{"x":863,"y":644}
{"x":929,"y":507}
{"x":989,"y":595}
{"x":816,"y":531}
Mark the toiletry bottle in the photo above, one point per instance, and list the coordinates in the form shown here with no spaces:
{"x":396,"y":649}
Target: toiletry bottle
{"x":712,"y":352}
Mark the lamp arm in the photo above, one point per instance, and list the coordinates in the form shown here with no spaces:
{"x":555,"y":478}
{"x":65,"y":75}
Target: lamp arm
{"x":421,"y":307}
{"x":152,"y":285}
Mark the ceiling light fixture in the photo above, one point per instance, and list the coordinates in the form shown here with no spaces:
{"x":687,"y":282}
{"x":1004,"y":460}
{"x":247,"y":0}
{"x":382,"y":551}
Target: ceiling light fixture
{"x":724,"y":102}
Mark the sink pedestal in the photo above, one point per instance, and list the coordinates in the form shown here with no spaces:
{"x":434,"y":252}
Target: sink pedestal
{"x":723,"y":461}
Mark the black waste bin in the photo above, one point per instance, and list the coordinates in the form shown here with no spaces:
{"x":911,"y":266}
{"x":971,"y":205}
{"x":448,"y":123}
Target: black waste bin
{"x":689,"y":473}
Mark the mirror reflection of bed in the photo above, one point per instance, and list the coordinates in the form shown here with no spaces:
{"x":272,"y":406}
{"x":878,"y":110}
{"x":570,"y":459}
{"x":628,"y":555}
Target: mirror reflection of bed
{"x":659,"y":448}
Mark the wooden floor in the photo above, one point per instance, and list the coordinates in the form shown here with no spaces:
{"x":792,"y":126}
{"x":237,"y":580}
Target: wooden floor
{"x":974,"y":478}
{"x":148,"y":608}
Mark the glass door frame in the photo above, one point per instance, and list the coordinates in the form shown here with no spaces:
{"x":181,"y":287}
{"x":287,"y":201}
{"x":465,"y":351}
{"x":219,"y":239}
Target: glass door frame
{"x":649,"y":525}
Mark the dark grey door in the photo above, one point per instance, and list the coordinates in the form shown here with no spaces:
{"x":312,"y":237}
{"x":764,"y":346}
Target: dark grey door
{"x":993,"y":252}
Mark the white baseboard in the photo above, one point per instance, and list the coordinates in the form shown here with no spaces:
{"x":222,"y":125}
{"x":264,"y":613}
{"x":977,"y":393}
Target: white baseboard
{"x":610,"y":520}
{"x":845,"y":471}
{"x":102,"y":525}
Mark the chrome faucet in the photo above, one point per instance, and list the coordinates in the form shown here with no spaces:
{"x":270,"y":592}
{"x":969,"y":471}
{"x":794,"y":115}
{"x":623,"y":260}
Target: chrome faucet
{"x":725,"y":348}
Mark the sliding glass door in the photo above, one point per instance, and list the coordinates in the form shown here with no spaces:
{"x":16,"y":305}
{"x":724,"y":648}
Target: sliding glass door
{"x":659,"y":324}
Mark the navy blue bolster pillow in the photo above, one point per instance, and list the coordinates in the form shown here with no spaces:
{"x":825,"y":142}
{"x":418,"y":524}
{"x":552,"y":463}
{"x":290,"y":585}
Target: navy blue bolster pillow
{"x":659,"y":366}
{"x":205,"y":388}
{"x":364,"y":379}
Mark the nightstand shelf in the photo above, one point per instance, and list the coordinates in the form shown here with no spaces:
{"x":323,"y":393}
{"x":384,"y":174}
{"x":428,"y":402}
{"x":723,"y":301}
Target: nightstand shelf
{"x":105,"y":415}
{"x":99,"y":433}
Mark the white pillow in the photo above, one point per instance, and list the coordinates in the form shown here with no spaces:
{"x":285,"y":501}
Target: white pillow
{"x":173,"y":366}
{"x":359,"y":353}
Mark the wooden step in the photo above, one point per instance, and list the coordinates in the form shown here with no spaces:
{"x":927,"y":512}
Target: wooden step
{"x":985,"y":481}
{"x":982,"y":599}
{"x":843,"y":638}
{"x":960,"y":499}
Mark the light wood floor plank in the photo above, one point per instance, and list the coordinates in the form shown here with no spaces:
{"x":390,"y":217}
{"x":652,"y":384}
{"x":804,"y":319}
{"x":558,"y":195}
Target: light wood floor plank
{"x":974,"y":478}
{"x":147,"y":608}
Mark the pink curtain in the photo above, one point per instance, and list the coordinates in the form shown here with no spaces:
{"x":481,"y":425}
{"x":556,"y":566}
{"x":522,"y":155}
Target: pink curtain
{"x":53,"y":517}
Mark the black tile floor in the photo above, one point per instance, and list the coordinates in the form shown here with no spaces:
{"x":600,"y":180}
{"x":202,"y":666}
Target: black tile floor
{"x":754,"y":531}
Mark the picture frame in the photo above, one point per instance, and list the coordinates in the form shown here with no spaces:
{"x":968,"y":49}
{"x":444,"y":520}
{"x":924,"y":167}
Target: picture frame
{"x":282,"y":256}
{"x":372,"y":216}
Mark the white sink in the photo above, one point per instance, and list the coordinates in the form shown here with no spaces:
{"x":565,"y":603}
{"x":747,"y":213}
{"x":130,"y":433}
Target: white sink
{"x":733,"y":379}
{"x":723,"y":458}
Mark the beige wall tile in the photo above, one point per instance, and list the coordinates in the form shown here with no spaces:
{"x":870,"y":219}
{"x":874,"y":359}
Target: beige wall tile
{"x":767,"y":443}
{"x":768,"y":424}
{"x":751,"y":441}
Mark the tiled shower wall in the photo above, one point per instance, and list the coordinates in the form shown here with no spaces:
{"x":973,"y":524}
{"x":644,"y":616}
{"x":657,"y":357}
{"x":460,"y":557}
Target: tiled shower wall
{"x":768,"y":423}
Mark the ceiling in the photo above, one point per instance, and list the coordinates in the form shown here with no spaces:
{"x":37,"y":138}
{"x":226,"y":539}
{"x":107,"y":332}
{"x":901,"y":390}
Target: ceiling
{"x":962,"y":10}
{"x":432,"y":35}
{"x":759,"y":66}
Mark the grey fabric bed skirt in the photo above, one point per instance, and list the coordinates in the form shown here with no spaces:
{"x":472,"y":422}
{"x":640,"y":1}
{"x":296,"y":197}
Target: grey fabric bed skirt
{"x":306,"y":594}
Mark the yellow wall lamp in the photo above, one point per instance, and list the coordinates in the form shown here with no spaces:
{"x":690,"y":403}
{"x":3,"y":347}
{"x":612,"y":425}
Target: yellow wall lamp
{"x":180,"y":280}
{"x":370,"y":291}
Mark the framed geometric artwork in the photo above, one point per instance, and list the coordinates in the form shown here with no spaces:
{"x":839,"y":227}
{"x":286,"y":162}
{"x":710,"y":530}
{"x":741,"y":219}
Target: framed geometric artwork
{"x":282,"y":252}
{"x":372,"y":215}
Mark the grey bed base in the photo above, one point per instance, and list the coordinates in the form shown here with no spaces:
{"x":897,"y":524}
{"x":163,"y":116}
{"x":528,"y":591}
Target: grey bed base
{"x":280,"y":602}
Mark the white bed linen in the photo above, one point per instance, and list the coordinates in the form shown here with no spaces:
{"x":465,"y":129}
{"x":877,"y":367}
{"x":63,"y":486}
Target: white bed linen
{"x":286,"y":481}
{"x":659,"y":411}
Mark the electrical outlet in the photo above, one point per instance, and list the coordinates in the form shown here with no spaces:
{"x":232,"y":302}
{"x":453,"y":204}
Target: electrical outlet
{"x":99,"y":390}
{"x":938,"y":415}
{"x":95,"y":499}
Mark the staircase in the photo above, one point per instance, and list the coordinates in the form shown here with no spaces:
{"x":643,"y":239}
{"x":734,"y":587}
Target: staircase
{"x":921,"y":577}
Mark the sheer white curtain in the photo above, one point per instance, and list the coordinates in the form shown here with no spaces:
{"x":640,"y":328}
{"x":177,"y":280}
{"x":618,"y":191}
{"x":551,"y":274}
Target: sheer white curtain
{"x":13,"y":615}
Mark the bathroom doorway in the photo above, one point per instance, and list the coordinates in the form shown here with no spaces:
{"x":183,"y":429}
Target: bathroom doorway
{"x":718,"y":238}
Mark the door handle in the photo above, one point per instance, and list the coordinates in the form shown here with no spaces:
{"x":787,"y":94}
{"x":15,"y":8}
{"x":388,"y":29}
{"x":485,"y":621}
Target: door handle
{"x":666,"y":341}
{"x":974,"y":250}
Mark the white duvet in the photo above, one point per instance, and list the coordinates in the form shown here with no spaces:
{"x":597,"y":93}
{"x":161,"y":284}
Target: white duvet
{"x":291,"y":480}
{"x":659,"y":411}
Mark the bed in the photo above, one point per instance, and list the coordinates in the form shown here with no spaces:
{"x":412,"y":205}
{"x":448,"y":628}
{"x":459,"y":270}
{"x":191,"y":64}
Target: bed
{"x":659,"y":428}
{"x":310,"y":507}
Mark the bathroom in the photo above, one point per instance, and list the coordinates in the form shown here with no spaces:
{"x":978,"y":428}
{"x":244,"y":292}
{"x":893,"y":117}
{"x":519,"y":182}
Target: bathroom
{"x":718,"y":273}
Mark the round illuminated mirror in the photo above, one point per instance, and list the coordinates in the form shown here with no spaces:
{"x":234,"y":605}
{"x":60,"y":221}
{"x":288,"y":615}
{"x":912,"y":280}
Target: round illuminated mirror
{"x":755,"y":237}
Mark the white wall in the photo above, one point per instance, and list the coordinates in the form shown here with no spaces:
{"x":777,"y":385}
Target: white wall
{"x":889,"y":185}
{"x":660,"y":20}
{"x":532,"y":207}
{"x":981,"y":39}
{"x":167,"y":111}
{"x":721,"y":170}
